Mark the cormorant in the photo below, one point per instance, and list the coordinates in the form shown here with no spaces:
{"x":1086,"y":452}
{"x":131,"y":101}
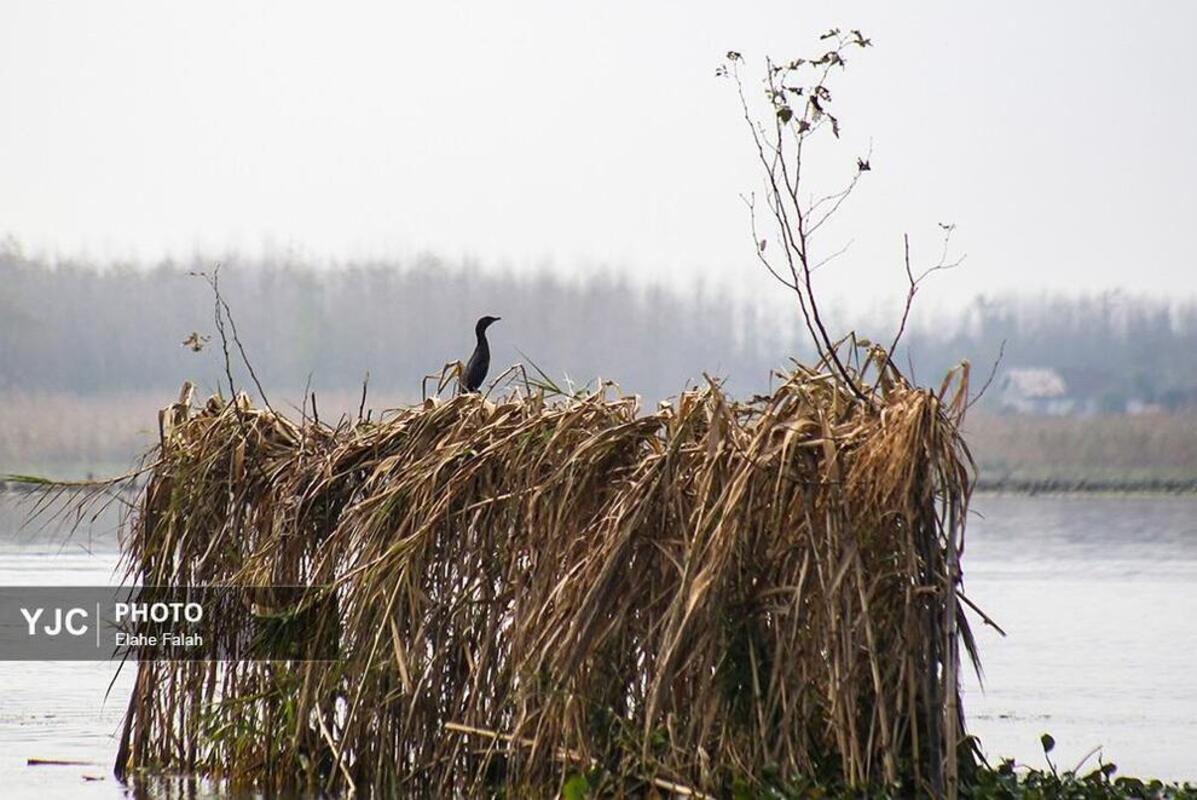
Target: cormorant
{"x":479,"y":363}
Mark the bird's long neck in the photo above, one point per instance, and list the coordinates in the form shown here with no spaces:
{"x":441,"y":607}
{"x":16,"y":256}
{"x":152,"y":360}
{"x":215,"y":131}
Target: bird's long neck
{"x":482,"y":343}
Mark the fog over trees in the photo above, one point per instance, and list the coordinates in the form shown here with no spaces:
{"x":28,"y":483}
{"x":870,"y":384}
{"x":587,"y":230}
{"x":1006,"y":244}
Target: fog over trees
{"x":88,"y":329}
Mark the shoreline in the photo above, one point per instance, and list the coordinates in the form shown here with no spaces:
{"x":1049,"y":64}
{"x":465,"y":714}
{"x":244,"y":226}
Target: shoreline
{"x":1057,"y":486}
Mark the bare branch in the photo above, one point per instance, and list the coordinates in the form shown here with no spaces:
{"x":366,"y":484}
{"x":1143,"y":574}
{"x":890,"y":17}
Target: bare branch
{"x":837,"y":199}
{"x":800,"y":103}
{"x":760,"y":250}
{"x":992,"y":372}
{"x":831,"y":257}
{"x":361,"y":407}
{"x":915,"y":282}
{"x":223,"y":313}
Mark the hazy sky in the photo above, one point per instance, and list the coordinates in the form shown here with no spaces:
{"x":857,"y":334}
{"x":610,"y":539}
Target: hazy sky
{"x":1058,"y":136}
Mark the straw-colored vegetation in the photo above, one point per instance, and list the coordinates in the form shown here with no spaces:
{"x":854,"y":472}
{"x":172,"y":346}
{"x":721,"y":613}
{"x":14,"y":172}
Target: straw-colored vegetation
{"x":533,"y":594}
{"x":69,"y":436}
{"x":1145,"y":451}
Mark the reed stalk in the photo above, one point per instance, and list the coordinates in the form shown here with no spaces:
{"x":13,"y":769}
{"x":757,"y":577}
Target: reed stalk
{"x":710,"y":596}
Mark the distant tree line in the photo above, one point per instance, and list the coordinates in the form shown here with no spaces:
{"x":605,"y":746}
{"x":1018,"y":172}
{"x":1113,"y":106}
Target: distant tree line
{"x":94,"y":329}
{"x":1113,"y":350}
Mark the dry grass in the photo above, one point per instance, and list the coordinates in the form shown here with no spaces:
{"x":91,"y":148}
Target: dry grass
{"x":712,"y":595}
{"x":69,"y":435}
{"x":1117,"y":447}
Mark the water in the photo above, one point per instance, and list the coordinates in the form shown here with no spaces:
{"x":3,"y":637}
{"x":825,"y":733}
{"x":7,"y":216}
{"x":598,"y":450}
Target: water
{"x":58,"y":710}
{"x":1098,"y":596}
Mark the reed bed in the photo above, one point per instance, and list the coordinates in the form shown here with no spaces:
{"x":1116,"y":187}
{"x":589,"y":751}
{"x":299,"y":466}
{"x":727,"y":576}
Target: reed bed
{"x":531,"y":594}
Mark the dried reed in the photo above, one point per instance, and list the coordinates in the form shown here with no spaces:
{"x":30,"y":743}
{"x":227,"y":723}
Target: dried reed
{"x":713,"y":596}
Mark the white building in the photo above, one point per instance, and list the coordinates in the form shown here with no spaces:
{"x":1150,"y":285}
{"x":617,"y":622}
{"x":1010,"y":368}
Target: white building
{"x":1035,"y":390}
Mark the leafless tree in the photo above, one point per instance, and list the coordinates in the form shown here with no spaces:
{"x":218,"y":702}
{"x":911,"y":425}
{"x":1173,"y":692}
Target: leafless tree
{"x":799,"y":102}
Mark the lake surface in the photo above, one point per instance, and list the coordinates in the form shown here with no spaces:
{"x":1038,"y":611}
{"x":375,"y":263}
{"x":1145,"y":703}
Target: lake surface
{"x":1098,"y":596}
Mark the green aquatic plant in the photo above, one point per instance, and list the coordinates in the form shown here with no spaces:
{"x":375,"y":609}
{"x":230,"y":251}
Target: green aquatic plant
{"x":1009,"y":781}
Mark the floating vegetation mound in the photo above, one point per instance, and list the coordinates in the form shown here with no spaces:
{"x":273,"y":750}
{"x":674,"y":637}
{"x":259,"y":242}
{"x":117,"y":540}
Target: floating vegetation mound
{"x":533,"y":595}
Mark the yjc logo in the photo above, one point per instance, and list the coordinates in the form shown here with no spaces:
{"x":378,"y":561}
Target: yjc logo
{"x":68,"y":620}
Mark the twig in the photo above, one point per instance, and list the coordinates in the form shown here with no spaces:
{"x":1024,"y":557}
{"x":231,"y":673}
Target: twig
{"x":992,"y":372}
{"x":218,"y":317}
{"x":790,"y":217}
{"x":336,"y":751}
{"x":984,"y":617}
{"x":362,"y":405}
{"x":221,"y":304}
{"x":570,"y":755}
{"x":914,"y":283}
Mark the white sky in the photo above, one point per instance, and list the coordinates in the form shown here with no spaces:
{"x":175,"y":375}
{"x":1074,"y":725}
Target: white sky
{"x":1058,"y":136}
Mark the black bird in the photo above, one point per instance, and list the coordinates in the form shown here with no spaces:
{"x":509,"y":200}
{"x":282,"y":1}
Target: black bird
{"x":479,"y":363}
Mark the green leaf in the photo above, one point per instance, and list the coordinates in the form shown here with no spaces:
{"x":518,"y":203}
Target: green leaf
{"x":785,"y":114}
{"x":31,"y":480}
{"x":1132,"y":785}
{"x":576,"y":787}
